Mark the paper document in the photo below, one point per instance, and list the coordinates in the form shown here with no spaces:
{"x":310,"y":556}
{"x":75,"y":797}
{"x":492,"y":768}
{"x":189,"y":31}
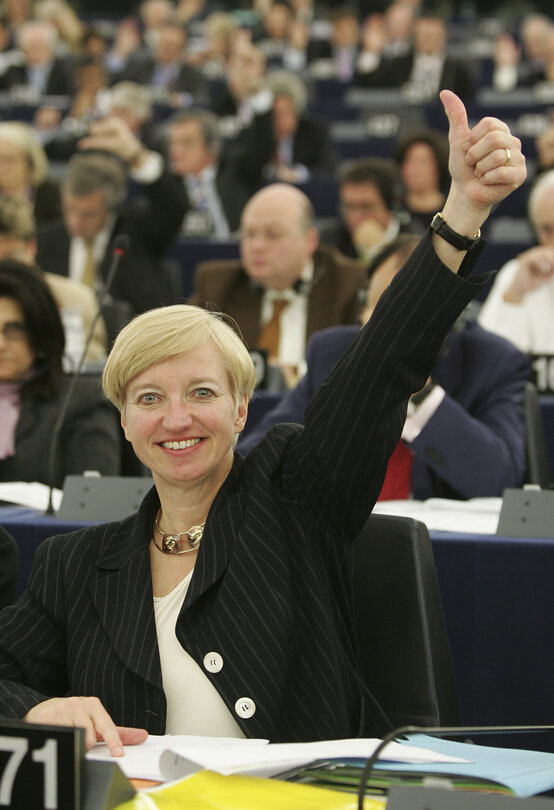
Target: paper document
{"x":31,"y":494}
{"x":474,"y":516}
{"x":170,"y":757}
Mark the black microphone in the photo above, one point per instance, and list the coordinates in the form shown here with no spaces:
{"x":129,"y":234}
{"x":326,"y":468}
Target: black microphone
{"x":119,"y":248}
{"x":447,"y":731}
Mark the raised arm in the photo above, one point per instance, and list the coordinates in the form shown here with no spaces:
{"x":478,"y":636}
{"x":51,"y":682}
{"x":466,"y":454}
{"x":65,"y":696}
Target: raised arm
{"x":355,"y":420}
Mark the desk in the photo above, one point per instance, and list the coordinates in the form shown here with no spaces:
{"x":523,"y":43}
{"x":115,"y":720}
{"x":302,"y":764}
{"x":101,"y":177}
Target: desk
{"x":497,"y":595}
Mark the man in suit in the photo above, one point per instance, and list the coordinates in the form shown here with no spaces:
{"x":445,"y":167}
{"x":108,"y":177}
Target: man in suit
{"x":427,"y":67}
{"x":39,"y":67}
{"x":165,"y":71}
{"x":96,"y":210}
{"x":464,"y":435}
{"x":303,"y":145}
{"x":285,"y":287}
{"x":77,"y":302}
{"x":367,"y":190}
{"x":218,"y":181}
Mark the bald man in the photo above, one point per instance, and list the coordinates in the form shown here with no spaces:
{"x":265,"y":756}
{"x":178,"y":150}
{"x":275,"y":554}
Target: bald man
{"x":283,"y":274}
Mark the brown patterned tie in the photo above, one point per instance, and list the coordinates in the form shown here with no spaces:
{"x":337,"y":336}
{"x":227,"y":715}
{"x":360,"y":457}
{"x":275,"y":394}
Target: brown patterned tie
{"x":270,"y":334}
{"x":89,"y":270}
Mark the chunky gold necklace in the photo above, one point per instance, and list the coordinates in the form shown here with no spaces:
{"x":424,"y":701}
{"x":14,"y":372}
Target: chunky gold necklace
{"x":171,"y":543}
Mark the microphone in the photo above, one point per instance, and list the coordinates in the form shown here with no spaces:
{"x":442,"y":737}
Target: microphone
{"x":119,"y":248}
{"x":448,"y":731}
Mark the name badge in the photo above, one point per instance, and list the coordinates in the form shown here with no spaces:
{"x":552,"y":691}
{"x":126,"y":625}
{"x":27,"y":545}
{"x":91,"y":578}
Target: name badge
{"x":543,"y":372}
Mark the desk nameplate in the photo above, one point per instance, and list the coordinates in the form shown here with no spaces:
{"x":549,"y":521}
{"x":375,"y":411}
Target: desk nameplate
{"x":41,"y":766}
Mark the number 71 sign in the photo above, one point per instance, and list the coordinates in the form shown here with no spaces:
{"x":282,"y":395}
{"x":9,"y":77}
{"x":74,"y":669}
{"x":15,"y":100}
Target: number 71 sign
{"x":41,"y":767}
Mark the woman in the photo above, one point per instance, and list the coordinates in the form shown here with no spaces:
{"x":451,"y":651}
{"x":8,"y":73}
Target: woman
{"x":33,"y":388}
{"x":223,"y":605}
{"x":24,"y":170}
{"x":422,"y":159}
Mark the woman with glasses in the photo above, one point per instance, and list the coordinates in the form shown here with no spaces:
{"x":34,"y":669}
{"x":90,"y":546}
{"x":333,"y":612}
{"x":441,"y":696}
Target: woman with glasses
{"x":33,"y":388}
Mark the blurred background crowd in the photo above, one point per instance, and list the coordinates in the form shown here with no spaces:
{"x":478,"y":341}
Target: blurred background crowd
{"x":163,"y":120}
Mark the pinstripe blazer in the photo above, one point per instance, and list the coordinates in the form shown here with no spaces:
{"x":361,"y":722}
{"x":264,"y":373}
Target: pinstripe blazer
{"x":271,"y":586}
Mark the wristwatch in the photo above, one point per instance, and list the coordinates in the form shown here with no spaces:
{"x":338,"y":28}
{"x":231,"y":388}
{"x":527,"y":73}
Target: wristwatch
{"x":438,"y":225}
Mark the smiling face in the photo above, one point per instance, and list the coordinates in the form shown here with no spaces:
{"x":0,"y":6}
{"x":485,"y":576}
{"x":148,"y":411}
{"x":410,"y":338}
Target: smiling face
{"x":182,"y":419}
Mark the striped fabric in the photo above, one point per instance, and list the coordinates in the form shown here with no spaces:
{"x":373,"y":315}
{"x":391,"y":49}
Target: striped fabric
{"x":271,"y":587}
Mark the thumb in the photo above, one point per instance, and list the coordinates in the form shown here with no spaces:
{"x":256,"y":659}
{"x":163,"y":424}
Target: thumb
{"x":456,"y":114}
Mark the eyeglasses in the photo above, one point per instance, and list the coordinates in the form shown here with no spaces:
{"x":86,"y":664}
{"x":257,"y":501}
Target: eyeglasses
{"x":14,"y":330}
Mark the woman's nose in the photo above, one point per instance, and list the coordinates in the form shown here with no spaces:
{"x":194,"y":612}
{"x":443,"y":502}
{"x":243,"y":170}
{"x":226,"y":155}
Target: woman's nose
{"x":178,"y":414}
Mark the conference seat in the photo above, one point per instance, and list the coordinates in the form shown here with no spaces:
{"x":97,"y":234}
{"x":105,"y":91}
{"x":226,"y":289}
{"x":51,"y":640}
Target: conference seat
{"x":9,"y":566}
{"x":538,"y":461}
{"x":399,"y":619}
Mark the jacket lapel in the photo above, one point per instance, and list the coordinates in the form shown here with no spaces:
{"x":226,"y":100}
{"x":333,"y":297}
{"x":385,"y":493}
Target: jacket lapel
{"x":224,"y":520}
{"x":122,"y":593}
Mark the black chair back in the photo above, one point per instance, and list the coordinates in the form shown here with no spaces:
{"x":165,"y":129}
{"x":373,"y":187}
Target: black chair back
{"x":400,"y":624}
{"x":538,"y":462}
{"x":9,"y":566}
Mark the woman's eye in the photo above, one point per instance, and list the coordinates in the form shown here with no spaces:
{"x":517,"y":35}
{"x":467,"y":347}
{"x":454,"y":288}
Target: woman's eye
{"x":148,"y":398}
{"x":203,"y":393}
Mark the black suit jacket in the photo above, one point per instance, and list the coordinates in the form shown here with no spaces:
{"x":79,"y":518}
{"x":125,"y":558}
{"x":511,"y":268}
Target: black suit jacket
{"x":89,"y":439}
{"x":151,"y":220}
{"x":58,"y":83}
{"x":396,"y":71}
{"x":240,"y":166}
{"x":188,"y":80}
{"x":271,"y":585}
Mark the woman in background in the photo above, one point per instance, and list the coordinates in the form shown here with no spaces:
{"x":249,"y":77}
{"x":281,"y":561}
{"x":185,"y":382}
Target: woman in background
{"x":422,"y":159}
{"x":33,"y":388}
{"x":24,"y":170}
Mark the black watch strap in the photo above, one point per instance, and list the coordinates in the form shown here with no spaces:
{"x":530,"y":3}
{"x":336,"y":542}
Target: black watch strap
{"x":439,"y":226}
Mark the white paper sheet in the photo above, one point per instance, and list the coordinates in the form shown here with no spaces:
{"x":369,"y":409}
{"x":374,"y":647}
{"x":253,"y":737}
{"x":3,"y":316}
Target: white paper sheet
{"x":166,"y":758}
{"x":30,"y":494}
{"x":474,"y":516}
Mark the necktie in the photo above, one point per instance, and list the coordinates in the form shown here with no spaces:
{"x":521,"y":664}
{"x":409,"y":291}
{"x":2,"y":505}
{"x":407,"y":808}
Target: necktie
{"x":89,"y":270}
{"x":398,"y":479}
{"x":270,"y":335}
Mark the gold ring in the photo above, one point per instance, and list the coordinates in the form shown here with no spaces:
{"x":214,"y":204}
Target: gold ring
{"x":508,"y":156}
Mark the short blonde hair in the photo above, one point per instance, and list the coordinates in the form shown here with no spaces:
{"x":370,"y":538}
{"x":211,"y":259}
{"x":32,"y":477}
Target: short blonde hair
{"x":165,"y":332}
{"x":23,"y":136}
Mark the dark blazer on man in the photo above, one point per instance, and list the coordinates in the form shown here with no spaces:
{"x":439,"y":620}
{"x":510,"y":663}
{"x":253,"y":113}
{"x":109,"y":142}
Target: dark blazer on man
{"x":397,"y":71}
{"x":240,"y":166}
{"x":89,"y":438}
{"x":270,"y":590}
{"x":151,"y":220}
{"x":58,"y":83}
{"x":188,"y":79}
{"x":333,"y":297}
{"x":474,"y":444}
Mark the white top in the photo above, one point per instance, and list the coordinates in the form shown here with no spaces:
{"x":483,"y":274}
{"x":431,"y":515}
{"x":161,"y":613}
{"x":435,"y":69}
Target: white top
{"x":529,"y":325}
{"x":194,"y":706}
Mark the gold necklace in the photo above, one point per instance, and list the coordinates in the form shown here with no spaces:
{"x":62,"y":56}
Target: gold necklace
{"x":171,"y":543}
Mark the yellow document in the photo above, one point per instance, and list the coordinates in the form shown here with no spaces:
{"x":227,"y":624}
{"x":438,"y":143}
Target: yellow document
{"x":207,"y":790}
